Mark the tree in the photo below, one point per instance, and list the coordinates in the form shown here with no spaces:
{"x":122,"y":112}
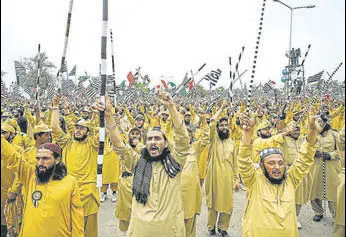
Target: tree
{"x":3,"y":73}
{"x":46,"y":72}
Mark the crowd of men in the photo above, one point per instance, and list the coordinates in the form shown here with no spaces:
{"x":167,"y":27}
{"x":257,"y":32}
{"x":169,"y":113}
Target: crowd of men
{"x":157,"y":159}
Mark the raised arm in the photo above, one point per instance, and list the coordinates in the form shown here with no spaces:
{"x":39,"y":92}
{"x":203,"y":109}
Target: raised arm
{"x":15,"y":163}
{"x":245,"y":162}
{"x":181,"y":140}
{"x":302,"y":165}
{"x":58,"y":134}
{"x":128,"y":156}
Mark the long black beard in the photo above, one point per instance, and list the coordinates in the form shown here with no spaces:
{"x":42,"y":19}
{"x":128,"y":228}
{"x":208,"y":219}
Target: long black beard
{"x":44,"y":177}
{"x":131,"y":143}
{"x":272,"y":180}
{"x":80,"y":139}
{"x":265,"y":136}
{"x":223,"y":136}
{"x":160,"y":157}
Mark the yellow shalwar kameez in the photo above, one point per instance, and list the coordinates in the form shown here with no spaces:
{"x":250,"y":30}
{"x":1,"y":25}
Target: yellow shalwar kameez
{"x":190,"y":184}
{"x":80,"y":158}
{"x":163,"y":214}
{"x":222,"y":172}
{"x":59,"y":212}
{"x":270,"y":209}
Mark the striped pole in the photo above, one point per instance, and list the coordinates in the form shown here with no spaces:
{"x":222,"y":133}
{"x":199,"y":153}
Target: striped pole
{"x":322,"y":89}
{"x":69,"y":15}
{"x":184,"y":83}
{"x":324,"y":186}
{"x":306,"y":54}
{"x":38,"y":72}
{"x":113,"y":67}
{"x":235,"y":72}
{"x":249,"y":94}
{"x":230,"y":90}
{"x":102,"y":92}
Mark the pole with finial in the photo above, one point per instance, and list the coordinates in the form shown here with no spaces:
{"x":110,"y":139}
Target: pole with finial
{"x":253,"y":71}
{"x":102,"y":131}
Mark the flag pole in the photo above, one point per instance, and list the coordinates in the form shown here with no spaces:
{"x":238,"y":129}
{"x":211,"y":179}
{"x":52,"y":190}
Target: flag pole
{"x":102,"y":132}
{"x":69,"y":15}
{"x":38,"y":73}
{"x":113,"y":68}
{"x":249,"y":94}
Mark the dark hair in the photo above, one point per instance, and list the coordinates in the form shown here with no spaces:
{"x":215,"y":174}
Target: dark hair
{"x":39,"y":134}
{"x":60,"y":168}
{"x":221,"y":120}
{"x":60,"y":171}
{"x":156,"y":128}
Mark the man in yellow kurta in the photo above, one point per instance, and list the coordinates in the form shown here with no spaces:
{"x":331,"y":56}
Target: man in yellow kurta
{"x":290,"y":149}
{"x":80,"y":157}
{"x":339,"y":223}
{"x":53,"y":204}
{"x":7,"y":178}
{"x":328,"y":144}
{"x":222,"y":175}
{"x":270,"y":207}
{"x":124,"y":203}
{"x":265,"y":139}
{"x":157,"y":207}
{"x":190,"y":183}
{"x":110,"y":173}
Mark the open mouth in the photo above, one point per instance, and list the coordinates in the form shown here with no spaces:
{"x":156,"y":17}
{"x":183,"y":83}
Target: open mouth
{"x":154,"y":150}
{"x":276,"y":173}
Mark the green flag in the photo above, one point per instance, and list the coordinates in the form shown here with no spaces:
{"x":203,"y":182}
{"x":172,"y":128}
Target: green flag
{"x":172,"y":84}
{"x":183,"y":92}
{"x":122,"y":85}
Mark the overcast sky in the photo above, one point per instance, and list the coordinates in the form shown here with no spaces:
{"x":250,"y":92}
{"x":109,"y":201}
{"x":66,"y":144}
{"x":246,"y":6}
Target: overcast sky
{"x":170,"y":37}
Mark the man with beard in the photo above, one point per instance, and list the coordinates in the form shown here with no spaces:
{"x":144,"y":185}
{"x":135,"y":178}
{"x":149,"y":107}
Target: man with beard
{"x":187,"y":122}
{"x":141,"y":125}
{"x":42,"y":135}
{"x":270,"y":207}
{"x":85,"y":113}
{"x":202,"y":161}
{"x":157,"y":208}
{"x":327,"y":152}
{"x":20,"y":139}
{"x":21,"y":120}
{"x":53,"y":205}
{"x":123,"y":208}
{"x":265,"y":139}
{"x":80,"y":157}
{"x":222,"y":175}
{"x":304,"y":124}
{"x":7,"y":178}
{"x":166,"y":125}
{"x":190,"y":183}
{"x":290,"y":149}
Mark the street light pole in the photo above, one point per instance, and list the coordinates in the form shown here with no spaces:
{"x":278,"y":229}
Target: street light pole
{"x":290,"y":37}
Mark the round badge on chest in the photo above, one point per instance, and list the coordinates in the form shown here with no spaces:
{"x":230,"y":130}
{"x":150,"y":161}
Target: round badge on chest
{"x":37,"y":195}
